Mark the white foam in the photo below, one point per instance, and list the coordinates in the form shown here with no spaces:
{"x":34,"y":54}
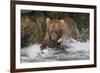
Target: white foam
{"x":76,"y":51}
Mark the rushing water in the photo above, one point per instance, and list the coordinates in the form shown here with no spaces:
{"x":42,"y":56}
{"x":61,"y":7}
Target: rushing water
{"x":75,"y":51}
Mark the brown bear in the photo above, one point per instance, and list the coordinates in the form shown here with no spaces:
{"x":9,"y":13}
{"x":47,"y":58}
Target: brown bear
{"x":59,"y":31}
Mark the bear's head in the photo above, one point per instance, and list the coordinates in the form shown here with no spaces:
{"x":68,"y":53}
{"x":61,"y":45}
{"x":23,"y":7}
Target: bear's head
{"x":55,"y":28}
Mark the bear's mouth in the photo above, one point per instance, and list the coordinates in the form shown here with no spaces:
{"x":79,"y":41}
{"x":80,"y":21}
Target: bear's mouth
{"x":52,"y":44}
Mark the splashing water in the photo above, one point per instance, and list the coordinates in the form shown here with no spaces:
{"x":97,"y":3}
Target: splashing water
{"x":75,"y":51}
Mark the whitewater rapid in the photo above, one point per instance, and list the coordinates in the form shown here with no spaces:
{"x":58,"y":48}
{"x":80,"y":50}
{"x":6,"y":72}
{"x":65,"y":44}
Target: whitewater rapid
{"x":75,"y":51}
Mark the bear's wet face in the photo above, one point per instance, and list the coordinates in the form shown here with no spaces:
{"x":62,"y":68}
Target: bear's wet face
{"x":55,"y":35}
{"x":54,"y":31}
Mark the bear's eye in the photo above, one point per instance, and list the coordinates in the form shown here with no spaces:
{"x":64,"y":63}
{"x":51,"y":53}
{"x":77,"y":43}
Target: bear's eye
{"x":55,"y":31}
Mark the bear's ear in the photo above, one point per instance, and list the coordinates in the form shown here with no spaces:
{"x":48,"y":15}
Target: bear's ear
{"x":62,"y":21}
{"x":48,"y":20}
